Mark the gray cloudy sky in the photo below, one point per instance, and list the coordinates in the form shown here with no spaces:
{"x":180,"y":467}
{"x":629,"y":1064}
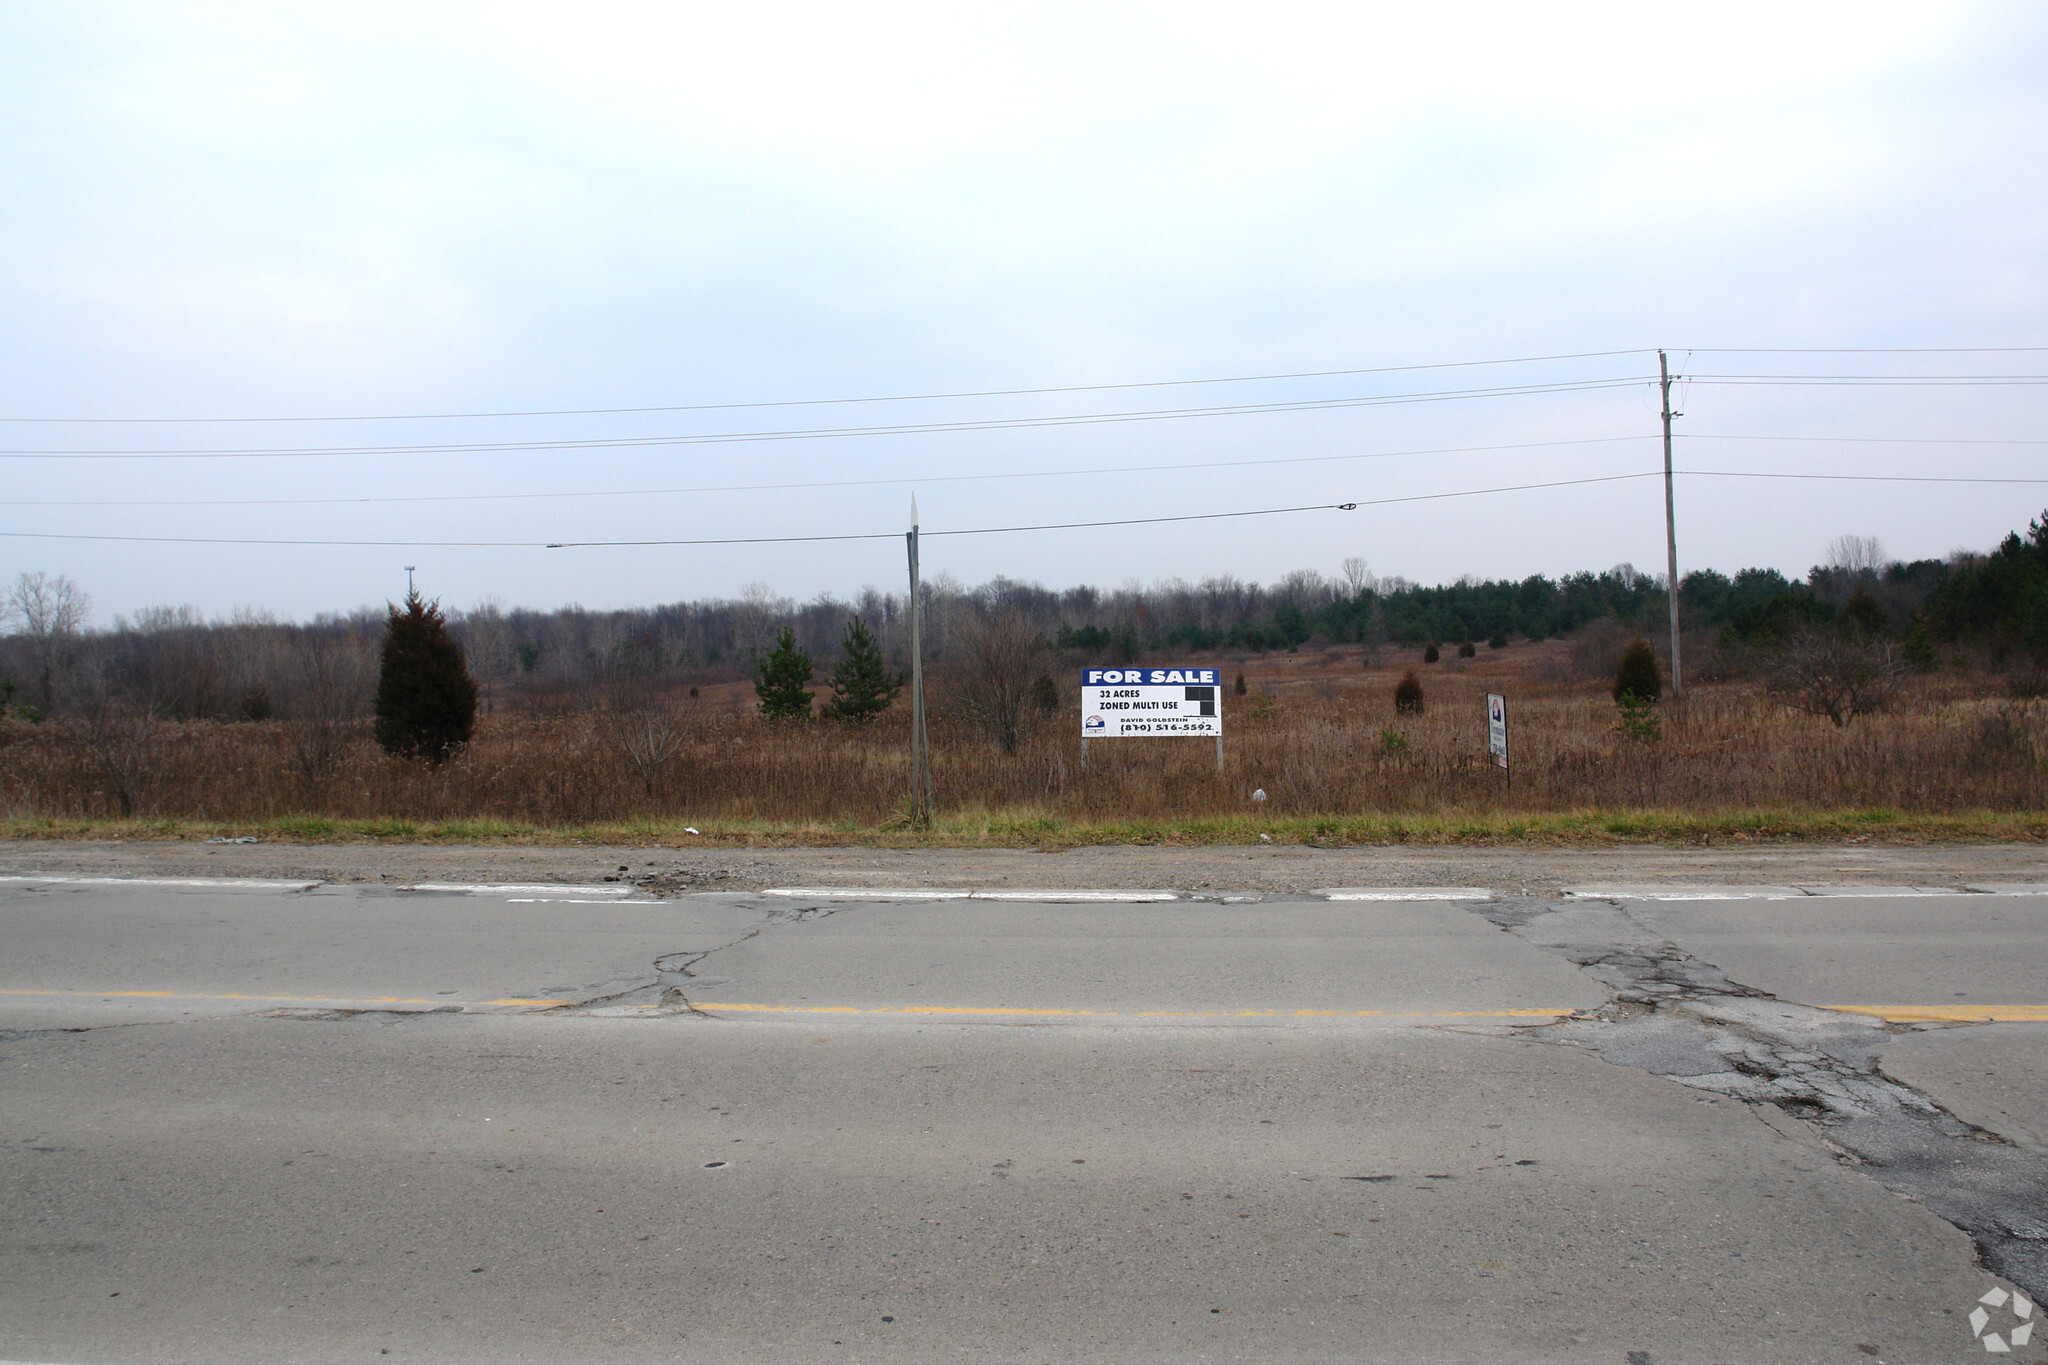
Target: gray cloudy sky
{"x":228,"y":211}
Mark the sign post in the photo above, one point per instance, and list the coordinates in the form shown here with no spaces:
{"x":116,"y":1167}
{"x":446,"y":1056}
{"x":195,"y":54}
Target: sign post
{"x":1122,"y":703}
{"x":1497,"y":734}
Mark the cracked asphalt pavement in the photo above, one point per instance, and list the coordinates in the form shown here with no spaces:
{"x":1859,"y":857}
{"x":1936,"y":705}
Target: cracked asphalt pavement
{"x":346,"y":1121}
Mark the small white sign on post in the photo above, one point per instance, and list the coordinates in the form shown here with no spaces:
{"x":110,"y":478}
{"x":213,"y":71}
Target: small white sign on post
{"x":1497,"y":728}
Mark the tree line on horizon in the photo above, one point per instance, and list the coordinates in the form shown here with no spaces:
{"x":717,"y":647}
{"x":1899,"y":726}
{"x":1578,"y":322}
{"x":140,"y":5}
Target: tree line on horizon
{"x":174,"y":663}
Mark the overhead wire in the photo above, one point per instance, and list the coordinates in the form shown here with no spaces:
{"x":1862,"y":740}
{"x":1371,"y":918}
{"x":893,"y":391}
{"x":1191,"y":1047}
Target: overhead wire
{"x":830,"y":483}
{"x":798,"y":540}
{"x":827,"y":402}
{"x":827,"y":433}
{"x":988,"y":530}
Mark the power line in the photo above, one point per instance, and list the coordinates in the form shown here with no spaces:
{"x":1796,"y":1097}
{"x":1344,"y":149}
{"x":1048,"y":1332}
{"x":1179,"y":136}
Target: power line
{"x":1879,"y":381}
{"x":986,"y":530}
{"x":823,"y":483}
{"x":1865,"y":350}
{"x":824,"y":402}
{"x":799,"y":540}
{"x":826,"y":433}
{"x":1873,"y":440}
{"x":1851,"y":478}
{"x":797,"y":486}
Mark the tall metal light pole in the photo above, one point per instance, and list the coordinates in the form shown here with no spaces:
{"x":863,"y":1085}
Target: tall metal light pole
{"x":920,"y":748}
{"x":1670,"y":523}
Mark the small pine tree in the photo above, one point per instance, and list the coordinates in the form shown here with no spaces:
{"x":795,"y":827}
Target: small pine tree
{"x":1638,"y":674}
{"x":426,"y":700}
{"x":1046,"y":693}
{"x":784,"y":671}
{"x":1467,"y":649}
{"x":1431,"y":654}
{"x":1238,"y":686}
{"x":1497,"y":640}
{"x":862,"y":685}
{"x":1408,"y":694}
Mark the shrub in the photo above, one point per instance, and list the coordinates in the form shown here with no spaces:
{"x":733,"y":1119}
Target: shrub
{"x":784,"y":671}
{"x":1431,"y":654}
{"x":426,"y":700}
{"x":1467,"y":649}
{"x":1833,"y":673}
{"x":256,"y":703}
{"x":1408,"y":694}
{"x":1238,"y":687}
{"x":1046,"y":693}
{"x":1392,"y":741}
{"x":1862,"y":615}
{"x":1637,"y":674}
{"x":1497,"y":640}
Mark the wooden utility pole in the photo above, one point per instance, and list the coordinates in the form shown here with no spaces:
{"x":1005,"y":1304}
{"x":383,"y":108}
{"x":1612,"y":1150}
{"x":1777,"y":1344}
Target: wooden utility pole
{"x":920,"y":748}
{"x":1670,"y":523}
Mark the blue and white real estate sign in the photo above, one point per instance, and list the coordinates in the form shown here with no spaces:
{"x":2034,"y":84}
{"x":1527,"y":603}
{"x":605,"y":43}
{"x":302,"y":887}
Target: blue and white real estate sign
{"x":1117,"y":702}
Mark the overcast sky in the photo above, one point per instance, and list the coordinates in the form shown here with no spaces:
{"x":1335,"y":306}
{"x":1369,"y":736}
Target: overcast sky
{"x":220,"y":211}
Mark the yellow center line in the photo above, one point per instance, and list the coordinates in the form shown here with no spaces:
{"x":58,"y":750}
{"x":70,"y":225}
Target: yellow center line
{"x":271,"y":999}
{"x":1902,"y":1014}
{"x":1966,"y":1014}
{"x":1007,"y":1011}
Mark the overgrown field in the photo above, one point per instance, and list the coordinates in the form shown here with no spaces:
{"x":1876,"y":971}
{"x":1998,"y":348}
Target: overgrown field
{"x":1318,"y":733}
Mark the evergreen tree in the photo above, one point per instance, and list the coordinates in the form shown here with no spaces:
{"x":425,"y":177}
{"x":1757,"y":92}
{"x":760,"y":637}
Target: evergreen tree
{"x":1046,"y":693}
{"x":780,"y":683}
{"x":862,"y":685}
{"x":1638,"y":675}
{"x":426,"y":700}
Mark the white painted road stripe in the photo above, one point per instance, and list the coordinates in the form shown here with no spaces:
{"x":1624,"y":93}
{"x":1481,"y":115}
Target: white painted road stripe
{"x":927,"y":893}
{"x":573,"y":900}
{"x":1120,"y":897}
{"x":869,"y":893}
{"x":524,"y":888}
{"x":1686,"y":893}
{"x":1405,"y":893}
{"x":208,"y":883}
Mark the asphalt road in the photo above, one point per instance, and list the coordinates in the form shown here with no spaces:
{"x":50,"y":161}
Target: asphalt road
{"x":341,"y":1123}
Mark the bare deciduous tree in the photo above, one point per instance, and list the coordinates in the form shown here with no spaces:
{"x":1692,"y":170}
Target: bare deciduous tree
{"x":51,"y":612}
{"x":996,"y":667}
{"x":326,"y":695}
{"x":1357,"y":575}
{"x":1828,"y":673}
{"x":1856,"y":555}
{"x":649,"y":733}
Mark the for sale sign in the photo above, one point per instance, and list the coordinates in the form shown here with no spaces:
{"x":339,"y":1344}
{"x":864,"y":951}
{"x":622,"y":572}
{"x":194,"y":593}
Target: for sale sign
{"x":1497,"y":728}
{"x":1151,"y":701}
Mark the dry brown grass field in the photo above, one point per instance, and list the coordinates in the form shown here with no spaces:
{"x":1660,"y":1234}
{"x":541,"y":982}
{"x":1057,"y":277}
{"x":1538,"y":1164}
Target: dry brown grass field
{"x":1317,"y":731}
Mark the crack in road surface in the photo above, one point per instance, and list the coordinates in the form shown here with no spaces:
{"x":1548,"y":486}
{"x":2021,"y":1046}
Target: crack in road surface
{"x":675,"y":974}
{"x":1678,"y":1017}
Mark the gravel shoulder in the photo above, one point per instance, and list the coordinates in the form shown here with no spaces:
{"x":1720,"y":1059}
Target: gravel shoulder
{"x":1257,"y":870}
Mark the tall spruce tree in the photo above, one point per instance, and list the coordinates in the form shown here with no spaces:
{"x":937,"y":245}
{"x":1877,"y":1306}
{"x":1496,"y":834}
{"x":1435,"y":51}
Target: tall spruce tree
{"x":426,"y":700}
{"x":862,"y":685}
{"x":780,"y":683}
